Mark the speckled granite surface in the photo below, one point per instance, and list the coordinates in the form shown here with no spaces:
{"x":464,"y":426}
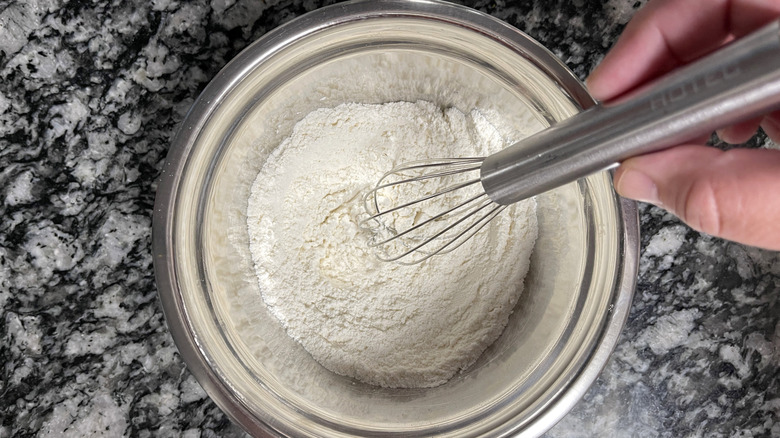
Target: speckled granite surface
{"x":90,"y":95}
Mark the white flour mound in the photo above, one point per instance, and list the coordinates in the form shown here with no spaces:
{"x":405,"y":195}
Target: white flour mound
{"x":382,"y":323}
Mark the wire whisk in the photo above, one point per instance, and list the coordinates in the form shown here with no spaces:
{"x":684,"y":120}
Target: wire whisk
{"x":738,"y":82}
{"x":426,"y":208}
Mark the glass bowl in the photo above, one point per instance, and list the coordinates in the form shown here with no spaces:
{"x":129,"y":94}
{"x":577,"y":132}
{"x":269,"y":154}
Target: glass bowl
{"x":583,"y":269}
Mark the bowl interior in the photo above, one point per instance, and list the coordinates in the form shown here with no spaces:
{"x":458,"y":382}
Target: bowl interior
{"x":575,"y":269}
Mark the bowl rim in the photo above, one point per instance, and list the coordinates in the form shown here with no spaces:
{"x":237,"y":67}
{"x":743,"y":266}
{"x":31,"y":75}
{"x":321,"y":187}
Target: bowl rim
{"x":255,"y":54}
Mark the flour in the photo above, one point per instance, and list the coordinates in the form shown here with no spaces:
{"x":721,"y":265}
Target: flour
{"x":382,"y":323}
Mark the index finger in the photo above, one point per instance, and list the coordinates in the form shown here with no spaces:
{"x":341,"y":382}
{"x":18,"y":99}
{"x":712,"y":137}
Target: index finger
{"x":666,"y":34}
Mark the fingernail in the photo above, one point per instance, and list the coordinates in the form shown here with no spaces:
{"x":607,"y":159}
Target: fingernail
{"x":636,"y":185}
{"x":723,"y":135}
{"x":728,"y":136}
{"x":593,"y":87}
{"x":772,"y":128}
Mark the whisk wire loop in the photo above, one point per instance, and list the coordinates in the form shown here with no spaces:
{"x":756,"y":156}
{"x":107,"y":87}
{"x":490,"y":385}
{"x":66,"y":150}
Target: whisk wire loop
{"x":450,"y":244}
{"x":380,"y":212}
{"x":441,"y":184}
{"x":436,"y":217}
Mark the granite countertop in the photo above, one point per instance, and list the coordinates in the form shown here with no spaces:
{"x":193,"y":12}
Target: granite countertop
{"x":90,"y":96}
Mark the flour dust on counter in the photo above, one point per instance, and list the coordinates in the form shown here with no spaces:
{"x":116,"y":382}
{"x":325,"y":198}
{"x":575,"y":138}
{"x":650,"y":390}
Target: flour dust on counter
{"x":382,"y":323}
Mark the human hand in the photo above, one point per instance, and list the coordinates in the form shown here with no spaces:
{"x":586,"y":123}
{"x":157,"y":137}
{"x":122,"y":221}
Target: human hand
{"x":733,"y":194}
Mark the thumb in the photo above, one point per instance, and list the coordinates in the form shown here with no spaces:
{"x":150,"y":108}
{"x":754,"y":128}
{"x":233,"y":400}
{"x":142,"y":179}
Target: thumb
{"x":733,"y":194}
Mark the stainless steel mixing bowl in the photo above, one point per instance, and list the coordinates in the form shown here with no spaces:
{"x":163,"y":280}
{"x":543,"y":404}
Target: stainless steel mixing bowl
{"x":577,"y":293}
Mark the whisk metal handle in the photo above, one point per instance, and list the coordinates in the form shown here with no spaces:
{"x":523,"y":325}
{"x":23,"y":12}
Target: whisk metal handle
{"x":736,"y":83}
